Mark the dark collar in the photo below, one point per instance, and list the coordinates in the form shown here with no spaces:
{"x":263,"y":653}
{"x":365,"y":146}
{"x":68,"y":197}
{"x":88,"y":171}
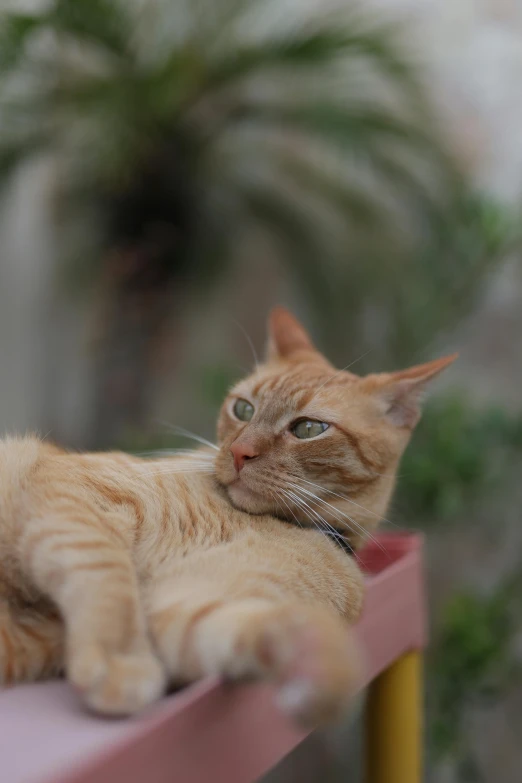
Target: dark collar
{"x":342,"y":542}
{"x":333,"y":535}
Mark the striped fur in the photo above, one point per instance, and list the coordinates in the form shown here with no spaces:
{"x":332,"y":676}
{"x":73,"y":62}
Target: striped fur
{"x":129,"y":574}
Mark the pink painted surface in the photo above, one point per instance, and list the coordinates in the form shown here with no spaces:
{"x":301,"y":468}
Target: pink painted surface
{"x":209,"y":732}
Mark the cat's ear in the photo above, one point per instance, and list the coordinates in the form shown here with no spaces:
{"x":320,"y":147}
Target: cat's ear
{"x":400,"y":393}
{"x":285,"y":335}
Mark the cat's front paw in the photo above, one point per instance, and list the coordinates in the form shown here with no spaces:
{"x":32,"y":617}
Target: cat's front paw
{"x":116,"y":683}
{"x":309,"y":653}
{"x":321,"y":673}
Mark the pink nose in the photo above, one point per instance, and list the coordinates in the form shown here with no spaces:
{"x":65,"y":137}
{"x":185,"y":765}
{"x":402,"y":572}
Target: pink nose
{"x":241,"y":452}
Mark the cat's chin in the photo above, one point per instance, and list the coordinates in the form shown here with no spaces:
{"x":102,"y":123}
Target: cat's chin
{"x":246,"y":499}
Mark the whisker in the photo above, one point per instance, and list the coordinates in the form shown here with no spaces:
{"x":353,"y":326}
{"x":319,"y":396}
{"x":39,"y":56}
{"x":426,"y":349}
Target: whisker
{"x":366,"y":535}
{"x":295,"y":487}
{"x":249,"y":340}
{"x":348,"y":500}
{"x":323,"y":520}
{"x":295,"y":500}
{"x":277,"y":497}
{"x":187,"y":434}
{"x":177,"y":472}
{"x":304,"y":505}
{"x":159,"y":453}
{"x":274,"y":495}
{"x":325,"y":526}
{"x":181,"y":469}
{"x":338,"y":511}
{"x":290,"y":510}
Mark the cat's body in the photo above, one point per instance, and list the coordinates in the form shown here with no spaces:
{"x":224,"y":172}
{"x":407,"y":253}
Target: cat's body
{"x":128,"y":572}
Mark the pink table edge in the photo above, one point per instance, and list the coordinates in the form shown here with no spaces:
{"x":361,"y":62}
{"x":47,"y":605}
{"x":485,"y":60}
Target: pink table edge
{"x":209,"y":732}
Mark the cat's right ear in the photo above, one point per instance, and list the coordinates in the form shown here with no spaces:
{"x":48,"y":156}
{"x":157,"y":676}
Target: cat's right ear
{"x":400,"y":393}
{"x":285,"y":335}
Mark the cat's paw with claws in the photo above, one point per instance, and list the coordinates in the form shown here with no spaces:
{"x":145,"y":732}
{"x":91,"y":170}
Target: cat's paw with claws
{"x":308,"y":653}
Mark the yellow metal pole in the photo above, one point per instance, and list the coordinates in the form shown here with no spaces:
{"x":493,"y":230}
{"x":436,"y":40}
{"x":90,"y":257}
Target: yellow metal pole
{"x":394,"y":723}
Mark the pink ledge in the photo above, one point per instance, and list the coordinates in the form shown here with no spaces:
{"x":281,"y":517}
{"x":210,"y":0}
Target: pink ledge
{"x":208,"y":732}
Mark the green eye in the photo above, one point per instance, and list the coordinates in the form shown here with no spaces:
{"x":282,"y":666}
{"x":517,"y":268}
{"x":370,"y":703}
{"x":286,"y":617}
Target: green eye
{"x":243,"y":410}
{"x":307,"y":428}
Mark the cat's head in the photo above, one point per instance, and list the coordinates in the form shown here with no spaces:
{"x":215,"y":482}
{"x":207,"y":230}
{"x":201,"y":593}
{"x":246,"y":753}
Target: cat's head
{"x":303,"y":441}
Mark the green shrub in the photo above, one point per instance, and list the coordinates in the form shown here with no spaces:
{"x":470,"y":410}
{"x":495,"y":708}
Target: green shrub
{"x":457,"y":452}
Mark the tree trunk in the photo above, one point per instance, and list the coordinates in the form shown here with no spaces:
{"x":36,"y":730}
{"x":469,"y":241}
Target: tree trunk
{"x":137,"y":297}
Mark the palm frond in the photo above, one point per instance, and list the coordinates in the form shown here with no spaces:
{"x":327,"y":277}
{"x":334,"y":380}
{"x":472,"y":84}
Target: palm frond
{"x":15,"y":31}
{"x":14,"y":152}
{"x":295,"y":232}
{"x":312,"y":48}
{"x":355,"y":202}
{"x":315,"y":128}
{"x":104,"y":23}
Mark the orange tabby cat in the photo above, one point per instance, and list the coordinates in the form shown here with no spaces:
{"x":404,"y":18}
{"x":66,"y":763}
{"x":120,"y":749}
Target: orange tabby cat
{"x":130,"y":573}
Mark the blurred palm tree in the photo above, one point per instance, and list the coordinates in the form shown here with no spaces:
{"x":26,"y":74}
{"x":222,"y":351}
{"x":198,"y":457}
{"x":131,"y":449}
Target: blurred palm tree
{"x":179,"y":126}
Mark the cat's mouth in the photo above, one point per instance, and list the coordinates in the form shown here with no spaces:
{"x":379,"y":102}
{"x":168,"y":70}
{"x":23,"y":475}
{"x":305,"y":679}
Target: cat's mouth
{"x":246,"y":499}
{"x":247,"y":490}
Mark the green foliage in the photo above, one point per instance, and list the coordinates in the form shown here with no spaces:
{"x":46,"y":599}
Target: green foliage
{"x":472,"y":661}
{"x":456,"y":452}
{"x":462,"y":460}
{"x":442,"y":280}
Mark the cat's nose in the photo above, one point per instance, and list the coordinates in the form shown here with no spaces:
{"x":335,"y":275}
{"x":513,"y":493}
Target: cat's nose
{"x":241,"y":453}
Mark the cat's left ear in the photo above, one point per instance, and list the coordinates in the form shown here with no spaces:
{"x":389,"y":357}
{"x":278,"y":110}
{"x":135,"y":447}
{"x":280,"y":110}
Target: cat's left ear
{"x":286,"y":335}
{"x":400,"y":393}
